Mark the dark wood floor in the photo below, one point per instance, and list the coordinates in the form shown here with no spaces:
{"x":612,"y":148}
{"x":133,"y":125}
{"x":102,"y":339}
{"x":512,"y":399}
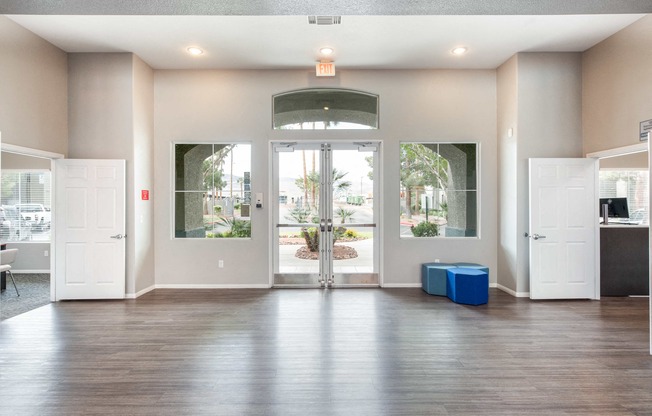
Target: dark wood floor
{"x":327,"y":352}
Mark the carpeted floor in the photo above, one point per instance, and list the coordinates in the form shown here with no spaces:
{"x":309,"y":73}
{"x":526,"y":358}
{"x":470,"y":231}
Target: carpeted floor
{"x":34,"y":292}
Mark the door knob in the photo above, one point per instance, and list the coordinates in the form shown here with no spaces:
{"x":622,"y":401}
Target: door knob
{"x":535,"y":236}
{"x":119,"y":236}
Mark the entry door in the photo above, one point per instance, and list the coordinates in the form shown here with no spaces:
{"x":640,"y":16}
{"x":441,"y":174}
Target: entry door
{"x":90,"y":229}
{"x":325,"y":214}
{"x":563,"y":229}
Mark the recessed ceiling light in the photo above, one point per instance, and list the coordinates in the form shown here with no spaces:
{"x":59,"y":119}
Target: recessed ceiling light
{"x":460,"y":50}
{"x":193,"y":50}
{"x":326,"y":51}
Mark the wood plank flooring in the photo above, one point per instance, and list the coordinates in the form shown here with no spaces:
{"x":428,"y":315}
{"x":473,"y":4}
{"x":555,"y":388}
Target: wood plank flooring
{"x":327,"y":352}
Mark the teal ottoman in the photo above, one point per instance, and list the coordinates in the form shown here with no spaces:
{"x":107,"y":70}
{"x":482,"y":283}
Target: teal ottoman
{"x":433,"y":278}
{"x":467,"y":286}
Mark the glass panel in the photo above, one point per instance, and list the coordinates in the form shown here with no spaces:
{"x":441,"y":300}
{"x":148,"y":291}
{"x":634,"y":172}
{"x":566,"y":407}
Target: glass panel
{"x":437,"y":184}
{"x":213,"y":190}
{"x":298,"y":202}
{"x":353,"y":203}
{"x":25,"y":213}
{"x":325,"y":109}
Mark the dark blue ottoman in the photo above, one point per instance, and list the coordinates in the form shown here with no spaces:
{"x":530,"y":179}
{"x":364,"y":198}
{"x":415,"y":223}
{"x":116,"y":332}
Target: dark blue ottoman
{"x":467,"y":286}
{"x":433,"y":278}
{"x":473,"y":266}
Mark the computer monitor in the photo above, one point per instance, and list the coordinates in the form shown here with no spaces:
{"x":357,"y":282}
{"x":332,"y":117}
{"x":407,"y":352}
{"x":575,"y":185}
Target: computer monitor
{"x":617,"y":207}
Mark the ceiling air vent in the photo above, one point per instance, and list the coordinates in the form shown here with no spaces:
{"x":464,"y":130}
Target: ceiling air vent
{"x":324,"y":20}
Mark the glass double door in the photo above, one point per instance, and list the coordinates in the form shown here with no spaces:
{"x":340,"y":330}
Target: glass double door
{"x":325,"y":232}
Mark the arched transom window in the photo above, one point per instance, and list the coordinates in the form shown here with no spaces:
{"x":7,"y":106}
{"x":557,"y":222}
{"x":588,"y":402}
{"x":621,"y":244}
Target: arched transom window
{"x":325,"y":109}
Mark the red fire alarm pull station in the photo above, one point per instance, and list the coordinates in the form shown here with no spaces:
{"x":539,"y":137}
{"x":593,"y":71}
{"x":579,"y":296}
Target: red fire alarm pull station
{"x":144,"y":195}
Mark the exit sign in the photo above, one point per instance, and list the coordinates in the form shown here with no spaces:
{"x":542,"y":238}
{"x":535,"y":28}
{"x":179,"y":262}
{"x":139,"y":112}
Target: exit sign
{"x":325,"y":69}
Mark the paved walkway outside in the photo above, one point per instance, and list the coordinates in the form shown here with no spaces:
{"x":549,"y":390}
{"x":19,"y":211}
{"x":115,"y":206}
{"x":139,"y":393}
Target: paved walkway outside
{"x":288,"y":263}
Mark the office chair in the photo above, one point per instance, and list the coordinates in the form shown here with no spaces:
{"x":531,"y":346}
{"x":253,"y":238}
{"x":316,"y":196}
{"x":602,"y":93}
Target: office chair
{"x":7,"y":257}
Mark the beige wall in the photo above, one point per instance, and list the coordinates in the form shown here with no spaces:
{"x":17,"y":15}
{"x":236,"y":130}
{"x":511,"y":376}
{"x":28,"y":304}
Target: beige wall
{"x":100,"y":99}
{"x":110,"y":101}
{"x":236,"y":106}
{"x":115,"y":106}
{"x":143,"y":153}
{"x":617,"y":87}
{"x":632,"y":161}
{"x":14,"y":161}
{"x":547,"y":119}
{"x":33,"y":112}
{"x":33,"y":90}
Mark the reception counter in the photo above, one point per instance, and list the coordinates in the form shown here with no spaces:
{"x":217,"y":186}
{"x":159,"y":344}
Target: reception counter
{"x":624,"y":260}
{"x":3,"y":275}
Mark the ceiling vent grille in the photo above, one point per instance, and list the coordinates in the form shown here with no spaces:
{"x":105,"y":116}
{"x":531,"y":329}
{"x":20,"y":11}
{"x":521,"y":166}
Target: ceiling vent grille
{"x":324,"y":20}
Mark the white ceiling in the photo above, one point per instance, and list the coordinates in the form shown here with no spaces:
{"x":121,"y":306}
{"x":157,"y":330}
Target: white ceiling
{"x":281,"y":42}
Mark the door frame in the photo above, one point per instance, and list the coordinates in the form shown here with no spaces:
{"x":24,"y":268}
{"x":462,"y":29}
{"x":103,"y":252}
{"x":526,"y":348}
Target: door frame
{"x":52,"y":156}
{"x":622,"y":151}
{"x":378,"y":199}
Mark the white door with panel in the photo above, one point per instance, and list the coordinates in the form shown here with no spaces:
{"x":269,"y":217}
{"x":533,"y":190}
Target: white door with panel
{"x":325,"y":210}
{"x":564,"y":229}
{"x":90,"y":229}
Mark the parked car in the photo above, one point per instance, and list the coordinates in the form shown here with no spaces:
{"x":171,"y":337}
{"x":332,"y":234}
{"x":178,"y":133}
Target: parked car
{"x":37,"y":214}
{"x":12,"y":226}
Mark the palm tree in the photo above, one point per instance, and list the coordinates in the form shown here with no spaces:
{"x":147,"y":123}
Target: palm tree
{"x":344,"y":213}
{"x":311,"y":181}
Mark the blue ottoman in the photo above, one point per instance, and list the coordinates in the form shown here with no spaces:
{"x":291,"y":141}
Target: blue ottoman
{"x":433,"y":278}
{"x":473,"y":266}
{"x":467,"y":286}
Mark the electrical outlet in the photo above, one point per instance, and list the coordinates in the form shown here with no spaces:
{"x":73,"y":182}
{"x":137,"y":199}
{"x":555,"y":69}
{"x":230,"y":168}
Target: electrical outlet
{"x":220,"y":263}
{"x":436,"y":260}
{"x":46,"y":253}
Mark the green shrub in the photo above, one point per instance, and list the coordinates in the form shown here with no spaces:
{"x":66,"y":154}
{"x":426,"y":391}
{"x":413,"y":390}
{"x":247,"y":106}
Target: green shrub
{"x":425,"y":229}
{"x":217,"y":209}
{"x":238,"y":228}
{"x":351,"y":234}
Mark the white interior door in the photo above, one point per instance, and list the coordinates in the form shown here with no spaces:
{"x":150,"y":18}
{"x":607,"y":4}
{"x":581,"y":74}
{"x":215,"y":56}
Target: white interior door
{"x":563,"y":229}
{"x":90,"y":228}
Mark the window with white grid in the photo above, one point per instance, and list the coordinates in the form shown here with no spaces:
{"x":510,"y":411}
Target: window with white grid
{"x":25,"y":213}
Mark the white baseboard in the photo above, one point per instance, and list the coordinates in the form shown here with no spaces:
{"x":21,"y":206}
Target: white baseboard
{"x":212,"y":286}
{"x":139,"y":293}
{"x":264,"y":286}
{"x":401,"y":285}
{"x":512,"y":292}
{"x":16,"y":271}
